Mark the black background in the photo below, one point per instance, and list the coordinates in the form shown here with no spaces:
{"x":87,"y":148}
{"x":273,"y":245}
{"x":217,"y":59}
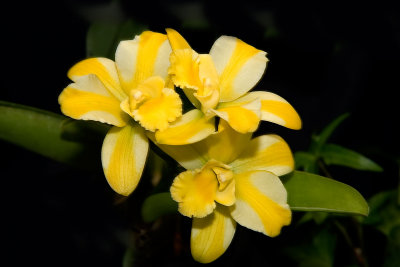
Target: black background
{"x":325,"y":59}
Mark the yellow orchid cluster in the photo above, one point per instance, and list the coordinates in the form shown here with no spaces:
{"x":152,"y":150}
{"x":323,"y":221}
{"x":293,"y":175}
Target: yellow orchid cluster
{"x":230,"y":178}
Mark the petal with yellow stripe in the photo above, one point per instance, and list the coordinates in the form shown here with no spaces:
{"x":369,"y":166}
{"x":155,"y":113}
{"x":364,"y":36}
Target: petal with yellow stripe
{"x":123,"y":156}
{"x":176,"y":40}
{"x":104,"y":69}
{"x":273,"y":108}
{"x":261,"y":202}
{"x":88,"y":99}
{"x":190,"y":128}
{"x":145,"y":56}
{"x":243,"y":118}
{"x":212,"y":235}
{"x":239,"y":65}
{"x":267,"y":152}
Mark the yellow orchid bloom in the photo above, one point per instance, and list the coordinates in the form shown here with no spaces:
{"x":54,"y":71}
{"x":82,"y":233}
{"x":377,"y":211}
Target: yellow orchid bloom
{"x":132,"y":94}
{"x":218,"y":83}
{"x":231,"y":179}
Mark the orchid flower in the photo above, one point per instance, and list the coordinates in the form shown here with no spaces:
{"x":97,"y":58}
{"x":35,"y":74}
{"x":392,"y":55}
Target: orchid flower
{"x":231,"y":179}
{"x":132,"y":94}
{"x":218,"y":84}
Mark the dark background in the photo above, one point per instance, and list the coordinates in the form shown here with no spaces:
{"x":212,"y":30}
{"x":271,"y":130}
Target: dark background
{"x":325,"y":59}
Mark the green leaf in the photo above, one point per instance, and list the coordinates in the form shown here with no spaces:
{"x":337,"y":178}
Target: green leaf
{"x":337,"y":155}
{"x":103,"y":37}
{"x":319,"y":140}
{"x":158,"y":205}
{"x":40,"y":131}
{"x":305,"y":161}
{"x":311,"y":192}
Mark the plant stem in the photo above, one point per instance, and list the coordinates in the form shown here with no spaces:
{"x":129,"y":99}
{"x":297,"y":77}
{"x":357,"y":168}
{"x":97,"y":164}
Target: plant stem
{"x":357,"y":251}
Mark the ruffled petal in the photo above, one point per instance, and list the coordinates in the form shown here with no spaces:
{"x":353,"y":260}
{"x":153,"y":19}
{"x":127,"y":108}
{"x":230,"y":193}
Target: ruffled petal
{"x":145,"y":56}
{"x":176,"y":40}
{"x":239,"y":65}
{"x":157,"y":113}
{"x":88,"y":99}
{"x":267,"y":152}
{"x":261,"y":202}
{"x":273,"y":108}
{"x":195,"y":192}
{"x":190,"y":128}
{"x":184,"y":69}
{"x":212,"y":235}
{"x":123,"y":156}
{"x":243,"y":118}
{"x":104,"y":69}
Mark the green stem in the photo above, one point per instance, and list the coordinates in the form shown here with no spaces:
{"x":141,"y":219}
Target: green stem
{"x":357,"y":251}
{"x":324,"y":169}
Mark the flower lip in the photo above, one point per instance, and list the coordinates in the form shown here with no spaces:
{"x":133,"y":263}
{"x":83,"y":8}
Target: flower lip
{"x":197,"y":191}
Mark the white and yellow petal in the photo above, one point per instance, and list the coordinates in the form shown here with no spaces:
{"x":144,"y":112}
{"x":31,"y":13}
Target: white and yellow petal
{"x":145,"y":56}
{"x":88,"y":99}
{"x":243,"y":118}
{"x":190,"y":128}
{"x":104,"y":69}
{"x":267,"y":152}
{"x":123,"y":157}
{"x":239,"y":65}
{"x":212,"y":235}
{"x":195,"y":190}
{"x":261,"y":202}
{"x":273,"y":109}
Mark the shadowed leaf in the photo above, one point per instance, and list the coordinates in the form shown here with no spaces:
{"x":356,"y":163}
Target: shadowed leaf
{"x":158,"y":205}
{"x":41,"y":132}
{"x":337,"y":155}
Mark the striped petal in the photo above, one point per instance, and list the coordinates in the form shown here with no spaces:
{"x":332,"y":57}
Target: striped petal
{"x":190,"y":128}
{"x":267,"y":152}
{"x":176,"y":40}
{"x":195,"y":192}
{"x":145,"y":56}
{"x":273,"y":108}
{"x":123,"y":156}
{"x":226,"y":145}
{"x":212,"y":235}
{"x":239,"y":65}
{"x":243,"y":118}
{"x":88,"y":99}
{"x":104,"y":69}
{"x":261,"y":202}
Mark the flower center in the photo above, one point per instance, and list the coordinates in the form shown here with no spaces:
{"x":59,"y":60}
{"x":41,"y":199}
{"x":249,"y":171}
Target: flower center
{"x":197,"y":191}
{"x":152,"y":105}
